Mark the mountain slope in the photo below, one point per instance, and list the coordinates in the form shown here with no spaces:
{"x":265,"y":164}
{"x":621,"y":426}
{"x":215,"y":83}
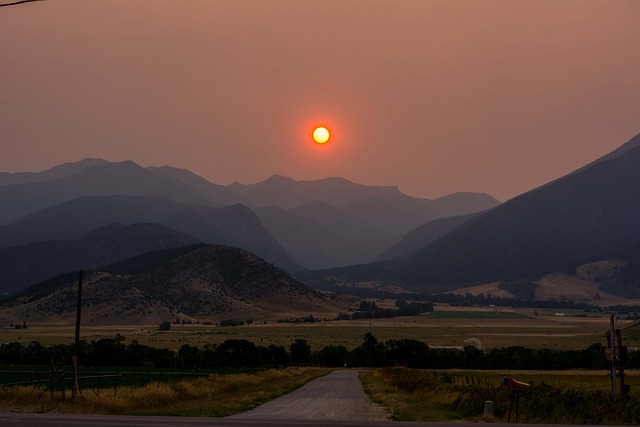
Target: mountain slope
{"x":205,"y":282}
{"x":24,"y":265}
{"x":423,"y":236}
{"x":587,"y":216}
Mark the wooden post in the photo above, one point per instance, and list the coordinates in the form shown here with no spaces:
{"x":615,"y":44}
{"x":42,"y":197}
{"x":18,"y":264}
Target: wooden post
{"x":75,"y":390}
{"x":612,"y":342}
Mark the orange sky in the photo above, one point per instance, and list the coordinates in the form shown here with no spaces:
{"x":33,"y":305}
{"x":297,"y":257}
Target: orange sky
{"x":433,"y":96}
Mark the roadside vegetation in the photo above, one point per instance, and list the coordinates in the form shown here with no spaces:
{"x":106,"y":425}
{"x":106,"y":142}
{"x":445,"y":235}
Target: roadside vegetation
{"x":567,"y":397}
{"x":213,"y":395}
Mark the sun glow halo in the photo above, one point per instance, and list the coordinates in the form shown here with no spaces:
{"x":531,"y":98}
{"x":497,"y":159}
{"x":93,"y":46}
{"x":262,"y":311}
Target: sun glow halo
{"x":321,"y":134}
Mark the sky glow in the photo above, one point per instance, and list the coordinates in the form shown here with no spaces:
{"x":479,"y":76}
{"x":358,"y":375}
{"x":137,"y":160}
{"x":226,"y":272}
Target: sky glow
{"x":498,"y":96}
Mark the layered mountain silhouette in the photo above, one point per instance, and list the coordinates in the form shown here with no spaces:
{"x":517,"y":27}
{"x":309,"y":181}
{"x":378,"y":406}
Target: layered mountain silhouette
{"x":385,"y":209}
{"x":91,"y":213}
{"x":587,"y":216}
{"x":95,"y":178}
{"x":205,"y":282}
{"x":298,"y":226}
{"x":362,"y":221}
{"x":233,"y":225}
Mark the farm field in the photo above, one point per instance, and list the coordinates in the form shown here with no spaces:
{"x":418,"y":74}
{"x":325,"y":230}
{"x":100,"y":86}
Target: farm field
{"x":486,"y":328}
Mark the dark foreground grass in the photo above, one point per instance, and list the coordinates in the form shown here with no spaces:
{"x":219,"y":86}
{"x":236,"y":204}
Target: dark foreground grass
{"x":213,"y":395}
{"x":419,"y":395}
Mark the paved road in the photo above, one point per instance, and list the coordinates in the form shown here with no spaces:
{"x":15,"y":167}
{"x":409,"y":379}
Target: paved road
{"x":337,"y":396}
{"x":78,"y":420}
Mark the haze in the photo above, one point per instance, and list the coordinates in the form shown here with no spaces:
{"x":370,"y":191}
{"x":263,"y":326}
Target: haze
{"x":433,"y":96}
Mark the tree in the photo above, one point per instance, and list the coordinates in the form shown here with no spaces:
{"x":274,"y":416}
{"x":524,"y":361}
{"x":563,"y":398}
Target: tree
{"x":238,"y":353}
{"x":300,"y":352}
{"x":332,"y":356}
{"x":370,"y":353}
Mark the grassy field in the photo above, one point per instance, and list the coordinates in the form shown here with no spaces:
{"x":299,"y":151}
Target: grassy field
{"x":488,"y":327}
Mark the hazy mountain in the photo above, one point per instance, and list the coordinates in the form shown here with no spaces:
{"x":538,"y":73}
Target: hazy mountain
{"x":24,"y":265}
{"x":236,"y":224}
{"x":385,"y":210}
{"x":361,"y":242}
{"x":288,"y":193}
{"x":309,"y":243}
{"x":106,"y":179}
{"x":423,"y":236}
{"x":338,"y":221}
{"x":324,"y":223}
{"x":56,"y":172}
{"x":204,"y":282}
{"x":218,"y":195}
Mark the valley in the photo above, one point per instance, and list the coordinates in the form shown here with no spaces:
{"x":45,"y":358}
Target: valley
{"x":486,"y":328}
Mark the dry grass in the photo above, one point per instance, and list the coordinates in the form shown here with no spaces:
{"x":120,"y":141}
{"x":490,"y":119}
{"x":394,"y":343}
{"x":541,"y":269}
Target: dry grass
{"x":454,"y":395}
{"x":215,"y":395}
{"x":581,"y":287}
{"x":426,"y":405}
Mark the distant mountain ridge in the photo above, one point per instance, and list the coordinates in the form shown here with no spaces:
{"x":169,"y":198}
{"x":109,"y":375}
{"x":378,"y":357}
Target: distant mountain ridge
{"x":95,"y":178}
{"x":56,"y":172}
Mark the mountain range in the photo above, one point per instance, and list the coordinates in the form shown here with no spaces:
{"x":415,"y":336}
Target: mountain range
{"x":88,"y":214}
{"x":53,"y":209}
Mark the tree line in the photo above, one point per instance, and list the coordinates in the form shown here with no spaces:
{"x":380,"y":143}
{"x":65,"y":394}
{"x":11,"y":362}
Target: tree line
{"x":241,"y":353}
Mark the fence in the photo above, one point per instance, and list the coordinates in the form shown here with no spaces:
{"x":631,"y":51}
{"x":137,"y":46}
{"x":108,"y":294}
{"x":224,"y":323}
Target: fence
{"x":58,"y":380}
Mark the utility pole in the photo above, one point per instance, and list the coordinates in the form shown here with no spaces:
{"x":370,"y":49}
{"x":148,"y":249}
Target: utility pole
{"x":616,"y":352}
{"x":612,"y":345}
{"x":75,"y":390}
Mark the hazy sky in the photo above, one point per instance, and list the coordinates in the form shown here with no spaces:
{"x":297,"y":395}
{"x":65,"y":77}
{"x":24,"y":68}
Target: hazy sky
{"x":432,"y":96}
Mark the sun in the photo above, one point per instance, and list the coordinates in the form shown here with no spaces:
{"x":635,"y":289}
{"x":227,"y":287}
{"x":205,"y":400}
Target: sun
{"x":321,"y":134}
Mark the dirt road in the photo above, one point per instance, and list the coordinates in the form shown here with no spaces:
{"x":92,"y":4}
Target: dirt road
{"x":337,"y":396}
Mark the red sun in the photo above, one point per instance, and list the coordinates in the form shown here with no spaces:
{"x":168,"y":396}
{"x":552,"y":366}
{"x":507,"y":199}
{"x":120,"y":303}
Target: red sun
{"x":321,"y":134}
